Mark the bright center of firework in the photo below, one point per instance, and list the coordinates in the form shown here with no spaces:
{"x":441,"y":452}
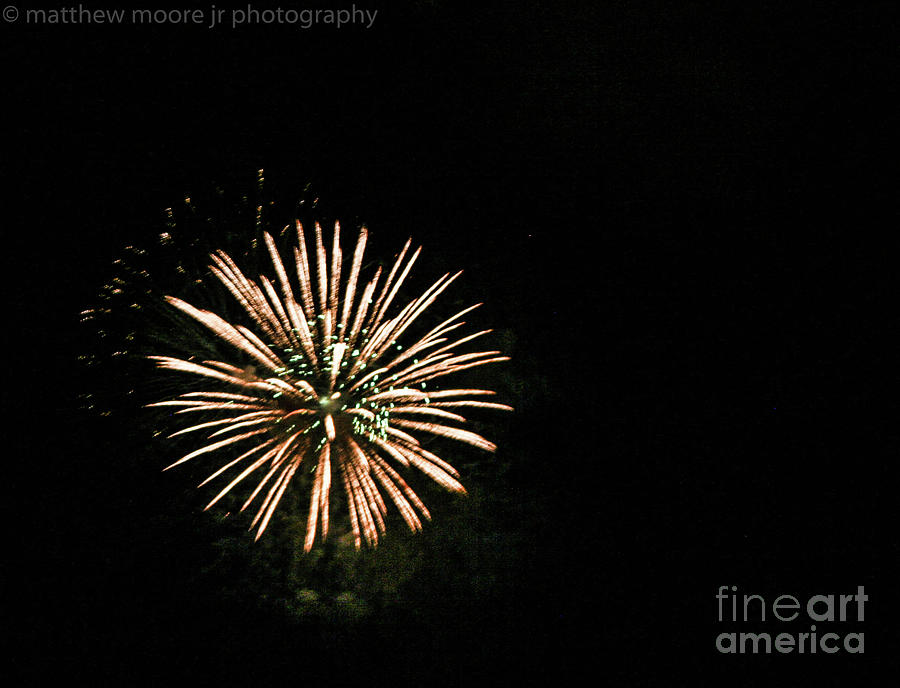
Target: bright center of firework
{"x":330,"y":404}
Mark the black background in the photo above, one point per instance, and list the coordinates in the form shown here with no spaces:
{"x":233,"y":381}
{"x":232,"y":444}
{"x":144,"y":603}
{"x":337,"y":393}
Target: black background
{"x":682,"y":210}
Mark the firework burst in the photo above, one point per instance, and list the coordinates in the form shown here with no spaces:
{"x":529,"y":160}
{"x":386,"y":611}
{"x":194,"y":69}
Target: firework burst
{"x":320,"y":383}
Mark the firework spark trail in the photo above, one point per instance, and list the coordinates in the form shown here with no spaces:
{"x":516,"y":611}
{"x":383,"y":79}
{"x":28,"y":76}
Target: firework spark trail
{"x":330,"y":387}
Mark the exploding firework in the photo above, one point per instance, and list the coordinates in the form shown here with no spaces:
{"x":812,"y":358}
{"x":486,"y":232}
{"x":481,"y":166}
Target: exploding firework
{"x":320,"y":383}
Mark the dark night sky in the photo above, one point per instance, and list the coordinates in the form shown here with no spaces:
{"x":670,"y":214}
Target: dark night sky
{"x":680,"y":209}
